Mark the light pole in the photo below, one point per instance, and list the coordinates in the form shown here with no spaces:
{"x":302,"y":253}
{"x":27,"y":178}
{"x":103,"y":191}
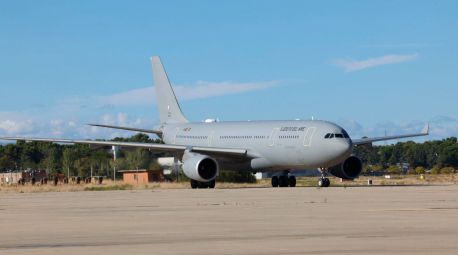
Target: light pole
{"x":114,"y":149}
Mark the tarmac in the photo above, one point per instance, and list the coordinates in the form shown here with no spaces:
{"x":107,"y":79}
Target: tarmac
{"x":301,"y":220}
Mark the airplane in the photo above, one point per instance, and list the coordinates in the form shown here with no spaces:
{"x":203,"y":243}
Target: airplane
{"x":205,"y":148}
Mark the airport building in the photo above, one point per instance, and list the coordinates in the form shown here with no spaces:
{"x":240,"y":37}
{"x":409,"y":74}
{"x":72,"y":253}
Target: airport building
{"x":142,"y":176}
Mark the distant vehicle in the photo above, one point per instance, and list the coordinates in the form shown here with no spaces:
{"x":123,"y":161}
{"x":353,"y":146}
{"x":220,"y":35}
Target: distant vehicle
{"x":204,"y":148}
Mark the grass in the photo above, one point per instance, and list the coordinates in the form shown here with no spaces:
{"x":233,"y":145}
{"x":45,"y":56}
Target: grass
{"x":110,"y":187}
{"x":301,"y":181}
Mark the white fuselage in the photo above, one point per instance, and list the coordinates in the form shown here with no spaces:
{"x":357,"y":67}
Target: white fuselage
{"x":270,"y":145}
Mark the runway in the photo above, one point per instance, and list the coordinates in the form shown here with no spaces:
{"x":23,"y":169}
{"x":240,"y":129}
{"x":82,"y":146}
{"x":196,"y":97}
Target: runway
{"x":336,"y":220}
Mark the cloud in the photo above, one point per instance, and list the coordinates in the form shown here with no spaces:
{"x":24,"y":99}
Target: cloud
{"x":202,"y":89}
{"x":401,"y":45}
{"x":20,"y":124}
{"x":15,"y":122}
{"x":351,"y":65}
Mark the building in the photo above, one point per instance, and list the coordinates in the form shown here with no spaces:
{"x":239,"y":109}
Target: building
{"x":25,"y":176}
{"x":142,"y":176}
{"x":10,"y":178}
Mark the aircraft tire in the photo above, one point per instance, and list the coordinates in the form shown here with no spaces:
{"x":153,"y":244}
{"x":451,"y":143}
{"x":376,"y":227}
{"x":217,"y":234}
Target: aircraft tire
{"x":283,"y":181}
{"x":327,"y":182}
{"x":292,"y":181}
{"x":212,"y":184}
{"x":321,"y":182}
{"x":324,"y":182}
{"x":194,"y":184}
{"x":274,"y":181}
{"x":203,"y":185}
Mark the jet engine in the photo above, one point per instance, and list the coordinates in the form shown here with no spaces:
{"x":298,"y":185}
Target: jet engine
{"x":349,"y":169}
{"x":200,"y":167}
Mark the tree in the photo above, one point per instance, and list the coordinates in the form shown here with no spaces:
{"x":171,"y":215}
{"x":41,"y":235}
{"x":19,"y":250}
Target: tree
{"x":420,"y":170}
{"x":393,"y":169}
{"x":68,"y":160}
{"x":449,"y":155}
{"x":99,"y":160}
{"x":13,"y":153}
{"x":52,"y":160}
{"x":138,"y":159}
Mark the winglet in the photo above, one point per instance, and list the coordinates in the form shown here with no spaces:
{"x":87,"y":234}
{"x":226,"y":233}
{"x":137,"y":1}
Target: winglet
{"x":425,"y":130}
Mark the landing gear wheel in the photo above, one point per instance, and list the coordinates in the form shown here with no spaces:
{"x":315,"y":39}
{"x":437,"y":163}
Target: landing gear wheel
{"x":283,"y":181}
{"x":327,"y":182}
{"x":203,"y":185}
{"x":324,"y":182}
{"x":212,"y":184}
{"x":194,"y":184}
{"x":274,"y":181}
{"x":292,"y":181}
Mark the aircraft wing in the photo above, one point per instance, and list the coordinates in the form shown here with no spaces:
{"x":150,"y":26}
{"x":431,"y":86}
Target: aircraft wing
{"x":361,"y":141}
{"x":150,"y":131}
{"x":152,"y":146}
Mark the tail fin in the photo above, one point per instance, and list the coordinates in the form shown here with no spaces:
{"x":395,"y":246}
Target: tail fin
{"x":169,"y":109}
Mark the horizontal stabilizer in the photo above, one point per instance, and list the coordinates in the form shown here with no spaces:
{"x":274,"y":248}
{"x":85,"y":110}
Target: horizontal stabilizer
{"x":150,"y":131}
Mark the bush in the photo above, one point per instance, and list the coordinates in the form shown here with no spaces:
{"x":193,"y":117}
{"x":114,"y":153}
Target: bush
{"x":447,"y":170}
{"x":393,"y":170}
{"x":435,"y":170}
{"x":411,"y":171}
{"x":420,"y":170}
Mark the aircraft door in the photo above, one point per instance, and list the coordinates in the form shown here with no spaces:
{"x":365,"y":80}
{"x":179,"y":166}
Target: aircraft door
{"x":273,"y":136}
{"x":308,"y":136}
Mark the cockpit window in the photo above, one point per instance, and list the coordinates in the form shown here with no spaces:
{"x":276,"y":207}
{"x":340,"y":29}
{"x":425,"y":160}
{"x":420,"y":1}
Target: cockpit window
{"x":330,"y":135}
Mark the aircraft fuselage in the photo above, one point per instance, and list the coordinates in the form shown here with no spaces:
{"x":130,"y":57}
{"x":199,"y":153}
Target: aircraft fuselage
{"x":274,"y":145}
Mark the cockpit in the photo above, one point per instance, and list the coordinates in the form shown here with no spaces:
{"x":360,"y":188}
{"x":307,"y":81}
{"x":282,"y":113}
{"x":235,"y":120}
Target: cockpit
{"x":344,"y":134}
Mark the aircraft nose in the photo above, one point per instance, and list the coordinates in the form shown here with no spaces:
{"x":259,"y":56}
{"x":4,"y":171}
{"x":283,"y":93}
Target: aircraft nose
{"x":343,"y":148}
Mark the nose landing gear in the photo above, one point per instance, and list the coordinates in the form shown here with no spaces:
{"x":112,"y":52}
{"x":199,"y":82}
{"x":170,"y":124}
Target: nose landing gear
{"x":323,"y":181}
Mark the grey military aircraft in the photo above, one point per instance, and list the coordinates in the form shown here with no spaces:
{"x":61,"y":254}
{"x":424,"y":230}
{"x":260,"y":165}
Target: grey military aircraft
{"x":204,"y":148}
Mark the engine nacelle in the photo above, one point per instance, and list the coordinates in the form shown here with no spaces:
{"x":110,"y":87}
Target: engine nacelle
{"x":349,"y":169}
{"x":200,"y":167}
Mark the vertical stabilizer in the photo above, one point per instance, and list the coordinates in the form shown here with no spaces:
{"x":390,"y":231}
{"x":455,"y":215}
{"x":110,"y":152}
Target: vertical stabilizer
{"x":169,"y":109}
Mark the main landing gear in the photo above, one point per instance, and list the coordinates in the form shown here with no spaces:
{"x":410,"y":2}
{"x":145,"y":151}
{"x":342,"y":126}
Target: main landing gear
{"x":203,"y":185}
{"x":323,"y":181}
{"x":284,"y":180}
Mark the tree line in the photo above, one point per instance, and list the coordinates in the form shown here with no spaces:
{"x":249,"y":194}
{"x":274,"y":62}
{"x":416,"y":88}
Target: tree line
{"x":78,"y":160}
{"x":430,"y":155}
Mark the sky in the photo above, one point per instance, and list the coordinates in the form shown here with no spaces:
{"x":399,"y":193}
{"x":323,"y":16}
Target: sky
{"x":374,"y":67}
